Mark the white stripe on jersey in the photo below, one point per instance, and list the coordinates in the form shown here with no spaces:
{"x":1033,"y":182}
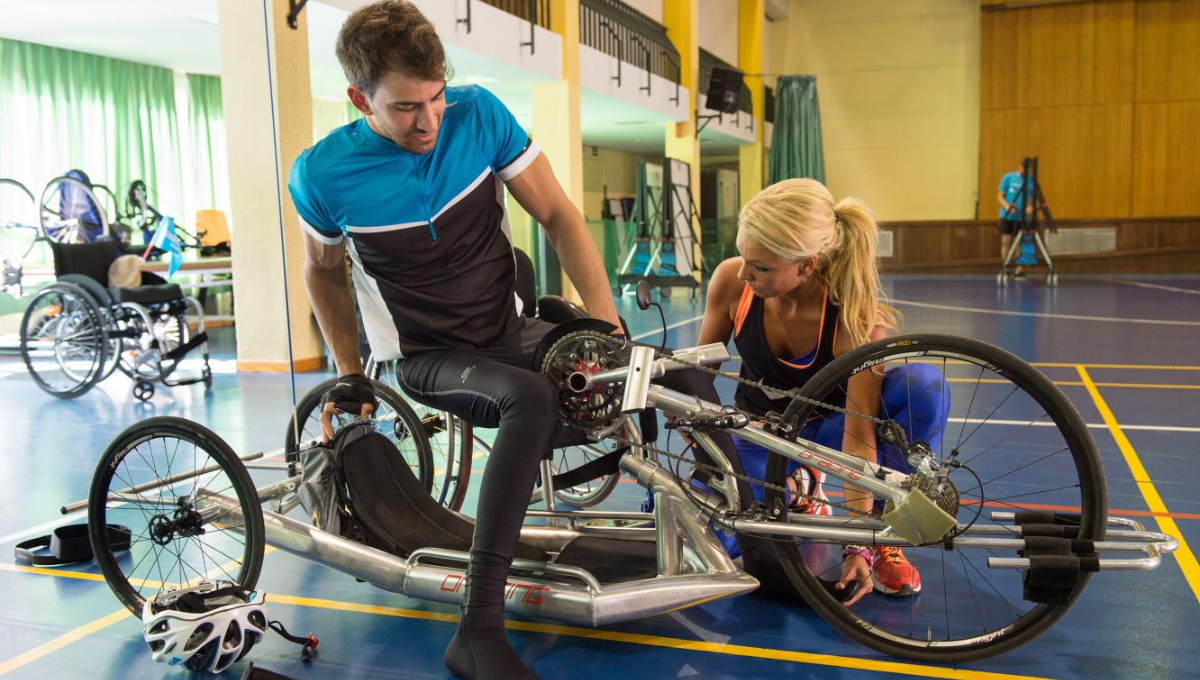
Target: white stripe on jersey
{"x":377,"y":320}
{"x":519,"y":163}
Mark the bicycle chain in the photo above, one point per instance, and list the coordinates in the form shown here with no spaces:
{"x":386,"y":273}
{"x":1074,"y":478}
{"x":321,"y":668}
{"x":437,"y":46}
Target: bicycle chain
{"x":746,"y":478}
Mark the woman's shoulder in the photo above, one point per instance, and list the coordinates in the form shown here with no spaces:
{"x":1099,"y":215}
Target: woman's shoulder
{"x":725,"y":285}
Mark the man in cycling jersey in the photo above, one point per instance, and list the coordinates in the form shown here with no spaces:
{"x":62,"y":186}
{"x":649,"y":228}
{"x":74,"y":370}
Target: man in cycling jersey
{"x":414,"y":192}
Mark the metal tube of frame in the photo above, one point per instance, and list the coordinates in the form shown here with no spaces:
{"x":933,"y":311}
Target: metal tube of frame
{"x":158,"y":483}
{"x":713,"y":353}
{"x":841,"y":465}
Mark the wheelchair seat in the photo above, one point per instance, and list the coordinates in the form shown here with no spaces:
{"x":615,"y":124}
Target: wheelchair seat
{"x":146,"y":295}
{"x":86,"y":264}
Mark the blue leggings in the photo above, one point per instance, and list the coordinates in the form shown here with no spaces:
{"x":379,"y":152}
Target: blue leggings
{"x":914,"y":395}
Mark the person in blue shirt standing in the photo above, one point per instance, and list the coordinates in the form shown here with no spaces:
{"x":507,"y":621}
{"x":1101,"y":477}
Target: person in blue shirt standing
{"x":1012,"y":204}
{"x":414,"y":193}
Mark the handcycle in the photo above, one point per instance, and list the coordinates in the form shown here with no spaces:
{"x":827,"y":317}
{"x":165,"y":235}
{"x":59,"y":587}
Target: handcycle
{"x":1004,"y":512}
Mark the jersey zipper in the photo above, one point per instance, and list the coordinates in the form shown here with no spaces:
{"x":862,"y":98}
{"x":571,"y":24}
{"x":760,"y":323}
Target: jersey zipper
{"x":424,"y":197}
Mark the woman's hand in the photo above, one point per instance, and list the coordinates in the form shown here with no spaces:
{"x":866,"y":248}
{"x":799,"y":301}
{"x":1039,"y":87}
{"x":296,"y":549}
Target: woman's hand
{"x":855,"y":568}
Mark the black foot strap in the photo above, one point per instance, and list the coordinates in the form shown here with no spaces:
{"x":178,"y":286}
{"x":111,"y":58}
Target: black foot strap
{"x":605,"y":465}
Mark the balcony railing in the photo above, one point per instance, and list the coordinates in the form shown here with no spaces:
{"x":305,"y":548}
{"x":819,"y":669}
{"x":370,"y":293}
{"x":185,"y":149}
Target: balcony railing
{"x":620,"y":31}
{"x":534,"y":11}
{"x":708,"y":61}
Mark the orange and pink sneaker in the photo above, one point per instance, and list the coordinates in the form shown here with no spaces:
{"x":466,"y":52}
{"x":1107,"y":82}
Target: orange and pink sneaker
{"x":894,"y":574}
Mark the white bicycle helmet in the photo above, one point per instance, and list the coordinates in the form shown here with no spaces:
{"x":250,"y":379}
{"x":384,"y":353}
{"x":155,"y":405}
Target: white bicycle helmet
{"x":205,"y":627}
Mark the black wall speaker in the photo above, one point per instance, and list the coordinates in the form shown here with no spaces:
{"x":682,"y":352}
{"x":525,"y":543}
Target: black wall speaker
{"x":724,"y":90}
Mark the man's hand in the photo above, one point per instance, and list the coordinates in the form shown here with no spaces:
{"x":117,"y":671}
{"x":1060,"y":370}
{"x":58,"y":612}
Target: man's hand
{"x":353,"y":393}
{"x":855,"y":568}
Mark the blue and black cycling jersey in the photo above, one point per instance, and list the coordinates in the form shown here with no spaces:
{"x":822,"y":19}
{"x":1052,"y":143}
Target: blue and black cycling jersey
{"x":428,"y":233}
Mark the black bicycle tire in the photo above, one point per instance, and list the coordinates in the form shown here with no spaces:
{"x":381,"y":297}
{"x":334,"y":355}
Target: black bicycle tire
{"x":97,"y":319}
{"x":221,"y":454}
{"x":1083,"y":450}
{"x":312,"y":402}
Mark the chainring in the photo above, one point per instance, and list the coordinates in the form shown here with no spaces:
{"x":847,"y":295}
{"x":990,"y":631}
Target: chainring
{"x":586,"y":352}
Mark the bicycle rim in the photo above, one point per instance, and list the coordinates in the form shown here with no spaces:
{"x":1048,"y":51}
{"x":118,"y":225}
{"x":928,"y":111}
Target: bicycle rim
{"x":1021,"y":446}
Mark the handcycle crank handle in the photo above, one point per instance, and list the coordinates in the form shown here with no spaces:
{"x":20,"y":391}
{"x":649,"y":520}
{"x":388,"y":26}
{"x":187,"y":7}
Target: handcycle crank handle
{"x":707,"y":355}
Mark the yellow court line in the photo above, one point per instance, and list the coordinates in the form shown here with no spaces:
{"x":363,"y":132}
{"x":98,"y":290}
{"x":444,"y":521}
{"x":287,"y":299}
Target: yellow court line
{"x":1184,"y":555}
{"x":594,"y":634}
{"x":63,"y":640}
{"x":671,"y":643}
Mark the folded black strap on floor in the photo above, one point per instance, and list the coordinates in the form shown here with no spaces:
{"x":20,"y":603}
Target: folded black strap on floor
{"x":600,"y":467}
{"x":68,"y":545}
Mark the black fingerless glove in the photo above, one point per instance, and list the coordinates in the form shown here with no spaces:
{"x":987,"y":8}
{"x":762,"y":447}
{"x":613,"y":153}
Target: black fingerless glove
{"x":351,"y":392}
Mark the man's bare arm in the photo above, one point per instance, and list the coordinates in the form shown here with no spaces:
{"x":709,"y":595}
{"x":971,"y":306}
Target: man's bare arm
{"x":329,"y":293}
{"x":539,"y":193}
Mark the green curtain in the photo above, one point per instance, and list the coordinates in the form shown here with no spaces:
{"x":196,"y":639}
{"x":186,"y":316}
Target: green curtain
{"x":113,"y":119}
{"x":208,"y":183}
{"x":796,"y":149}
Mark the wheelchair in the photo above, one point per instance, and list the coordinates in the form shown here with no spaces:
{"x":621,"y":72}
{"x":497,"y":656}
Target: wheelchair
{"x":77,"y":331}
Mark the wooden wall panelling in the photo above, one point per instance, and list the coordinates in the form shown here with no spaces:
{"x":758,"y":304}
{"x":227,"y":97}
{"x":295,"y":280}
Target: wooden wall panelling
{"x":1168,"y":50}
{"x":1166,"y":177}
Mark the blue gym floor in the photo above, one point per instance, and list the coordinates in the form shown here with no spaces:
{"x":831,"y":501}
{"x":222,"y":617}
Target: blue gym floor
{"x":1133,"y":337}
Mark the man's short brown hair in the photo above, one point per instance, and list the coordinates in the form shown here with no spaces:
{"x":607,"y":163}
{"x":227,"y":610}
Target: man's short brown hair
{"x":389,"y":35}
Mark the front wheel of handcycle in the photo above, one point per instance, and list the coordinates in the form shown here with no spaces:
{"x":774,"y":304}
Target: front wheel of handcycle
{"x":189,"y":505}
{"x":1010,"y":441}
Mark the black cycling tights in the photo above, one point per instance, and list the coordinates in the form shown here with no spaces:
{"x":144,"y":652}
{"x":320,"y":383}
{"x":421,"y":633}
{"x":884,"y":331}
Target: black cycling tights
{"x":492,"y":388}
{"x":489,"y":389}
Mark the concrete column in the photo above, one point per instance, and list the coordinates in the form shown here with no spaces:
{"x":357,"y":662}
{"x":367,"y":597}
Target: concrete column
{"x":682,"y":20}
{"x":556,"y":115}
{"x":263,"y":141}
{"x":751,"y":24}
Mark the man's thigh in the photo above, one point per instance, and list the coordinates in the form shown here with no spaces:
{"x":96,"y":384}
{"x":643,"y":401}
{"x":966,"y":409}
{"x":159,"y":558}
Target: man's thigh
{"x":467,"y":384}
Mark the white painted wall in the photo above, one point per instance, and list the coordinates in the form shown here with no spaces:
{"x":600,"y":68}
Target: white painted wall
{"x":494,"y":34}
{"x":596,"y":71}
{"x":651,"y":8}
{"x":719,"y":28}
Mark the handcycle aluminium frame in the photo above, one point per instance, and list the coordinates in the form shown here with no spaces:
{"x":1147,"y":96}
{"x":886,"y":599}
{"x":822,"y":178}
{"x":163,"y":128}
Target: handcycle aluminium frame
{"x":692,"y":566}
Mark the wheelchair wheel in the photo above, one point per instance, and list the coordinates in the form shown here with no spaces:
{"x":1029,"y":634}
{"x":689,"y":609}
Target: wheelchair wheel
{"x":63,"y":340}
{"x":70,"y":212}
{"x":148,"y":335}
{"x":18,"y":224}
{"x":205,"y":527}
{"x":1017,"y":444}
{"x":397,"y":419}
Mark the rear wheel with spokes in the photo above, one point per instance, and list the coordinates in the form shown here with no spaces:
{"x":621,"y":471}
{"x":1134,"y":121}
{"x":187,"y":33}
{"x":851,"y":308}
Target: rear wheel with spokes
{"x":183,"y":528}
{"x":397,"y":421}
{"x":1011,"y":442}
{"x":64,"y":342}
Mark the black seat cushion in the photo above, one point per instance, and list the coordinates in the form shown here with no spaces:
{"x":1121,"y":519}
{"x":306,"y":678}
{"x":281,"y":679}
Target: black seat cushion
{"x":392,"y":505}
{"x":88,"y":259}
{"x":146,"y":295}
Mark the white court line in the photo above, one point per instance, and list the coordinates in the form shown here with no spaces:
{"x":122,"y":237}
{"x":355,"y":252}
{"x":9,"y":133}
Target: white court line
{"x":1156,"y":286}
{"x":1071,"y":317}
{"x":674,"y":325}
{"x":1093,"y":426}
